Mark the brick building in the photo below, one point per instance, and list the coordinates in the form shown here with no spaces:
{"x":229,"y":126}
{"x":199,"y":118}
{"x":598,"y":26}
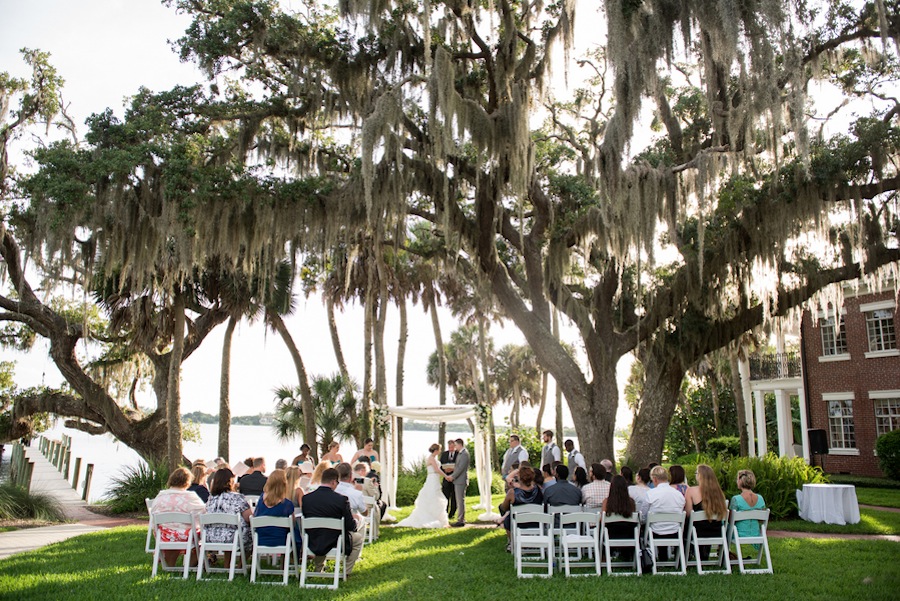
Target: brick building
{"x":852,"y":379}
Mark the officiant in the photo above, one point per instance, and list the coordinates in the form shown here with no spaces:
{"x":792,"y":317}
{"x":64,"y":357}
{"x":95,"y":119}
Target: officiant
{"x":448,"y":462}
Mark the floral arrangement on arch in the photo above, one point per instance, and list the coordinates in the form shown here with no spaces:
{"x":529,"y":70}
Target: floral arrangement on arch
{"x":382,"y":418}
{"x":482,"y":415}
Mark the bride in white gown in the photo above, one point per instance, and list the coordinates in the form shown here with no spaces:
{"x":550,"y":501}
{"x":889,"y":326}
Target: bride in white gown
{"x":431,"y":504}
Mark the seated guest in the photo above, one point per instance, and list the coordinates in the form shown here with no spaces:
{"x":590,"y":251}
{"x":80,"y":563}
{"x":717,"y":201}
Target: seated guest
{"x":676,"y":479}
{"x":281,"y":464}
{"x":610,"y":468}
{"x":706,"y":496}
{"x":522,"y":492}
{"x":177,"y":498}
{"x":367,"y":451}
{"x":663,"y":499}
{"x":293,"y":476}
{"x":580,"y":480}
{"x":345,"y":487}
{"x":639,"y":491}
{"x":548,"y":479}
{"x":198,"y":482}
{"x":324,"y":502}
{"x":253,"y":482}
{"x":369,"y":487}
{"x":620,"y":503}
{"x":224,"y":499}
{"x":563,"y":492}
{"x":316,"y":479}
{"x":593,"y":493}
{"x":745,"y":501}
{"x":274,"y":502}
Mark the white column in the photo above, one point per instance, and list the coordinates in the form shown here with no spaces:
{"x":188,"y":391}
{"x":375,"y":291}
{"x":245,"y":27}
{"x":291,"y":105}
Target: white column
{"x":804,"y":425}
{"x":759,"y":398}
{"x":783,"y":417}
{"x":744,"y":370}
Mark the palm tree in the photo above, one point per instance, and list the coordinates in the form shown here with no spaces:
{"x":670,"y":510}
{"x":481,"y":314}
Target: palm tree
{"x":518,"y":379}
{"x":333,"y":399}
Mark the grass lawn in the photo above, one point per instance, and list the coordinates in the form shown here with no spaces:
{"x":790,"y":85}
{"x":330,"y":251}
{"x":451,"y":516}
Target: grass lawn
{"x":871,"y":522}
{"x":467,"y":563}
{"x":883,"y":497}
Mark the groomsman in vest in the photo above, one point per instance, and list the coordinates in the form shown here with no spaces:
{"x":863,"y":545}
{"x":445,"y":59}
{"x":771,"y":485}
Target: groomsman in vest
{"x":550,"y":453}
{"x":448,"y":459}
{"x":575,"y":459}
{"x":516,"y":453}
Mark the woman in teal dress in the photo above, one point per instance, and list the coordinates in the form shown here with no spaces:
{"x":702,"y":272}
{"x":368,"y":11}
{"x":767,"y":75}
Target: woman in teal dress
{"x":745,"y":501}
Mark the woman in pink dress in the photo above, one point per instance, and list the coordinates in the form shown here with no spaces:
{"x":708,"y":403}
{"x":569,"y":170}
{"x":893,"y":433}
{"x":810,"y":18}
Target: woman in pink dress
{"x":177,"y":498}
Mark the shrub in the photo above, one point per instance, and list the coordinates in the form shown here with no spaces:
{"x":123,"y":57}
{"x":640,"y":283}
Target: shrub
{"x":777,"y":479}
{"x":724,"y":446}
{"x":888,"y":448}
{"x":16,"y":503}
{"x":408,"y":486}
{"x":134,"y":484}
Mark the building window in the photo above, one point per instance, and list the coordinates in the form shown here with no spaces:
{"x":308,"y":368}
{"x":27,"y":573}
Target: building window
{"x":834,"y":339}
{"x":880,"y":328}
{"x":840,"y":423}
{"x":887,"y":415}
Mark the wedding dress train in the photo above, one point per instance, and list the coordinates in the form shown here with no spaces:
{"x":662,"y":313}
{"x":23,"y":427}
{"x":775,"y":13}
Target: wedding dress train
{"x":431,"y":505}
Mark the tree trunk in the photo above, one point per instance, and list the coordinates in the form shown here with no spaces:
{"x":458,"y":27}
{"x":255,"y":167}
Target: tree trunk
{"x":739,"y":403}
{"x":401,"y":360}
{"x":309,"y":415}
{"x":662,"y":387}
{"x":173,"y":400}
{"x":353,"y":414}
{"x":714,"y":391}
{"x":224,"y":391}
{"x":545,"y":383}
{"x":559,"y":403}
{"x":441,"y":357}
{"x":380,"y":362}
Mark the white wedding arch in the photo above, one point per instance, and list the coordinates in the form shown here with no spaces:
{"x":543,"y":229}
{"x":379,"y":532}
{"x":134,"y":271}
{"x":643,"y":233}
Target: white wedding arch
{"x":452,"y":413}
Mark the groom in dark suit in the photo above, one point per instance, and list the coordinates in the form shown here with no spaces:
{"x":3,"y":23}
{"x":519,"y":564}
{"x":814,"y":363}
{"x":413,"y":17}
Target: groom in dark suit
{"x":460,"y":480}
{"x":448,"y":457}
{"x":324,"y":502}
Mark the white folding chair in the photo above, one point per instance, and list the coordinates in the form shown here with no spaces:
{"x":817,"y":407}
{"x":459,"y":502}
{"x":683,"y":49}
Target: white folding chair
{"x":718,"y":545}
{"x":287,"y":550}
{"x":556,"y":511}
{"x":538,"y":538}
{"x":371,"y":519}
{"x":514,"y":511}
{"x":633,"y":542}
{"x":252,"y":500}
{"x":336,"y":553}
{"x":653,"y":542}
{"x":762,"y":540}
{"x":174,"y":518}
{"x":235,"y":547}
{"x":151,"y":538}
{"x":580,"y":532}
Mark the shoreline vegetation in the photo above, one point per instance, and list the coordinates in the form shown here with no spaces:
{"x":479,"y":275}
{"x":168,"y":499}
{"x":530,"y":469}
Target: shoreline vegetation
{"x":266,"y":419}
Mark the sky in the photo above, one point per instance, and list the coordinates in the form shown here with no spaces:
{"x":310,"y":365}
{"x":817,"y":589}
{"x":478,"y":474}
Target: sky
{"x":105,"y":50}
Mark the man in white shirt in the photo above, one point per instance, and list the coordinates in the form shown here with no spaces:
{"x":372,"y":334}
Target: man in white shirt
{"x":550,"y":453}
{"x":346,"y":488}
{"x":662,"y":498}
{"x":575,"y":459}
{"x":516,"y":453}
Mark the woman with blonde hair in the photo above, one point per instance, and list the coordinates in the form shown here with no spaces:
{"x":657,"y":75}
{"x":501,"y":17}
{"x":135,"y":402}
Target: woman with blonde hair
{"x":316,"y":479}
{"x":294,"y":491}
{"x":199,"y":474}
{"x":274,"y":502}
{"x":333,"y":456}
{"x":706,"y":496}
{"x":747,"y":500}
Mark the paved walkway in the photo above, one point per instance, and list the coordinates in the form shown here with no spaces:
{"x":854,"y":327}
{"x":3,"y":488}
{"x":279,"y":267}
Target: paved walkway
{"x":47,"y":479}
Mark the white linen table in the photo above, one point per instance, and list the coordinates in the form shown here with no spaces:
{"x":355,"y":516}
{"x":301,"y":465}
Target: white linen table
{"x":829,"y":503}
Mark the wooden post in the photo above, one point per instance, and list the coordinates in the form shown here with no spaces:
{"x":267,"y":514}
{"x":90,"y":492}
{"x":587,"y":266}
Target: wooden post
{"x":89,"y":472}
{"x":66,"y":462}
{"x":29,"y":470}
{"x":77,"y":472}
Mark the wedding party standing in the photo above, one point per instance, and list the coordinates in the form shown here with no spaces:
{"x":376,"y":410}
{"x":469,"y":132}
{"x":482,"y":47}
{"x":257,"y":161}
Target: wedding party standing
{"x":448,"y":462}
{"x":430,"y":510}
{"x":460,"y":480}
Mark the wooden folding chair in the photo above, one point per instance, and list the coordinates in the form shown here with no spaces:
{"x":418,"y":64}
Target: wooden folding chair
{"x":717,"y":543}
{"x":761,"y":540}
{"x":187,"y":546}
{"x":287,"y":550}
{"x":653,"y":542}
{"x":336,"y":554}
{"x":235,"y":547}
